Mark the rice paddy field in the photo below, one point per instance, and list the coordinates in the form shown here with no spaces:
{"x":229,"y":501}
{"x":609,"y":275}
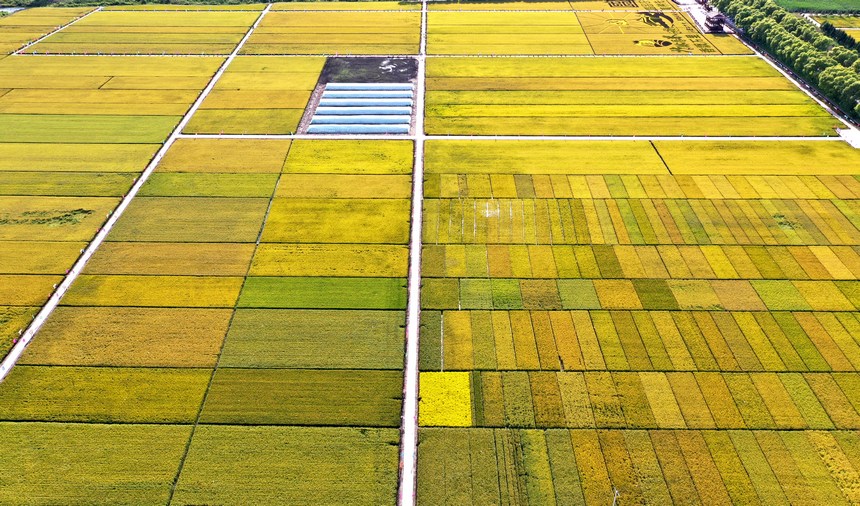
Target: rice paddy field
{"x":672,"y":316}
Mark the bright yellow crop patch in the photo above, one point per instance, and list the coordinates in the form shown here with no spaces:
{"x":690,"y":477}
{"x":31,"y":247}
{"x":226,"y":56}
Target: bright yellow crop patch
{"x":353,"y":32}
{"x":445,"y":399}
{"x":352,"y":157}
{"x":506,"y":33}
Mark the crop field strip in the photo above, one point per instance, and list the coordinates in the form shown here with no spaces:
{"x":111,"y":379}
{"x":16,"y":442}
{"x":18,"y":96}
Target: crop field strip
{"x":31,"y":25}
{"x":625,"y":96}
{"x":672,"y":328}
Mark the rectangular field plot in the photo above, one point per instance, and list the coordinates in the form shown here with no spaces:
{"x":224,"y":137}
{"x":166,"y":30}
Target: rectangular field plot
{"x":209,"y":185}
{"x":26,"y":26}
{"x":350,"y":157}
{"x":130,"y":337}
{"x":31,"y":257}
{"x":259,"y":95}
{"x":63,"y":462}
{"x":304,"y":465}
{"x":376,"y":33}
{"x":542,"y":157}
{"x":141,"y":32}
{"x":784,"y":158}
{"x":197,"y":259}
{"x":376,"y":221}
{"x":336,"y":260}
{"x":192,"y":219}
{"x":103,"y":394}
{"x":315,"y":339}
{"x":324,"y":293}
{"x":228,"y":156}
{"x":304,"y":397}
{"x":481,"y":96}
{"x":344,"y":186}
{"x":65,"y":184}
{"x":475,"y":466}
{"x":490,"y":33}
{"x":32,"y":157}
{"x":154,"y":291}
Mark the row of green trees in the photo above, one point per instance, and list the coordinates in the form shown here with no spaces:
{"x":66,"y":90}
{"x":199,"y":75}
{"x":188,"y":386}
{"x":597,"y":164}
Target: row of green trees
{"x":840,"y":36}
{"x":820,"y":60}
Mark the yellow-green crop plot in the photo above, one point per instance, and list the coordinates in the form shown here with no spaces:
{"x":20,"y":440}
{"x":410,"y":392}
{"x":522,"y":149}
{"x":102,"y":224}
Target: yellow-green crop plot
{"x":259,"y":95}
{"x":505,"y":104}
{"x":26,"y":26}
{"x":350,"y":157}
{"x":226,"y":156}
{"x":147,"y":455}
{"x":192,"y":219}
{"x":386,"y":261}
{"x":154,"y":291}
{"x":502,"y":33}
{"x":542,"y":157}
{"x":355,"y":32}
{"x":151,"y":32}
{"x":446,"y":399}
{"x":785,"y":158}
{"x":377,"y":221}
{"x":130,"y":337}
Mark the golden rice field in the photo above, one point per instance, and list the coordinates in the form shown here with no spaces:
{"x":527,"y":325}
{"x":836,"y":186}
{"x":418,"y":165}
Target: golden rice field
{"x":617,"y":96}
{"x":673,"y":320}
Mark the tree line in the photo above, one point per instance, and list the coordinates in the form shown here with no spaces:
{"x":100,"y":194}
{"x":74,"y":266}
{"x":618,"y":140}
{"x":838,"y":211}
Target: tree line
{"x":832,"y":67}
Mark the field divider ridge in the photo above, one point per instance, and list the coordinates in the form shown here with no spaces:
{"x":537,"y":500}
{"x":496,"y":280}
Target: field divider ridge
{"x":18,"y":349}
{"x":406,"y":488}
{"x":59,"y":28}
